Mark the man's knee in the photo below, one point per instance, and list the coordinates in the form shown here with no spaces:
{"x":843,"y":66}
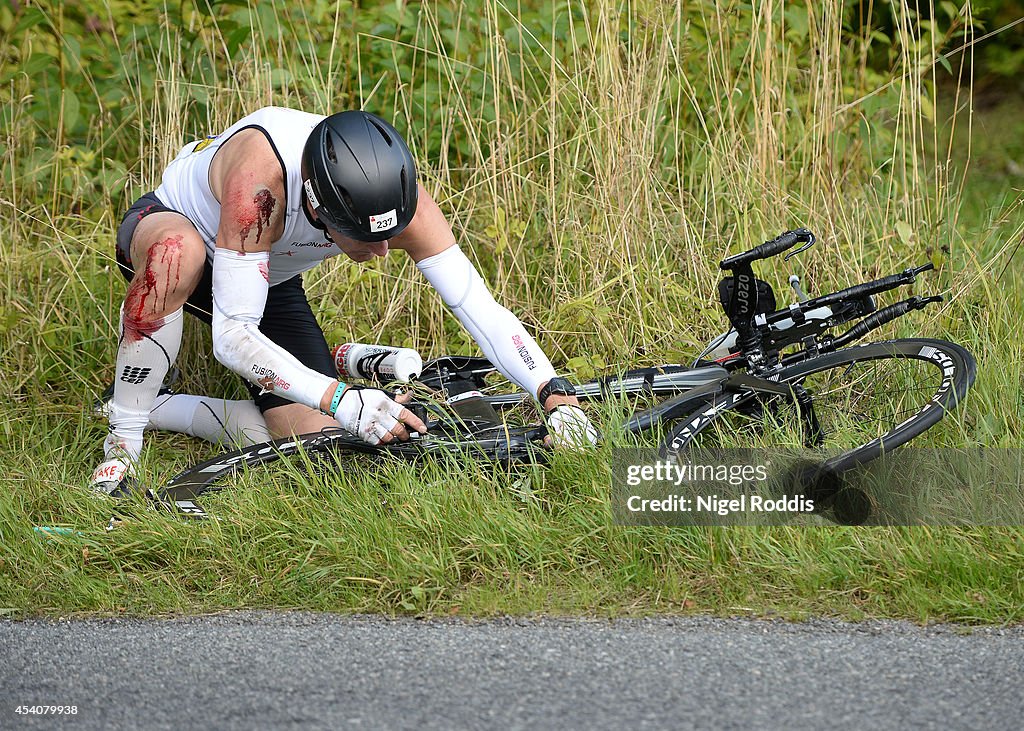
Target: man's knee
{"x":169,"y":257}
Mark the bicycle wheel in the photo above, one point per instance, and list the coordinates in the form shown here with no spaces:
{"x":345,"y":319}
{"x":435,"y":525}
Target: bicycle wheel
{"x":867,"y":399}
{"x":501,"y":443}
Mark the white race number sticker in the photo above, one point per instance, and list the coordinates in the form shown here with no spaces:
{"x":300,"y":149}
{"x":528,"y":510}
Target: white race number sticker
{"x":308,"y":185}
{"x":384,"y":221}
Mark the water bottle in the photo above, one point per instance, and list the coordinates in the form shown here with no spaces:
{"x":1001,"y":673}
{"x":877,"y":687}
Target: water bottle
{"x":377,"y":362}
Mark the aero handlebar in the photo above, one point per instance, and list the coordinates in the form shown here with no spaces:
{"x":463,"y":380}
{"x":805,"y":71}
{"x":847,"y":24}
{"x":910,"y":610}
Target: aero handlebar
{"x":771,"y":248}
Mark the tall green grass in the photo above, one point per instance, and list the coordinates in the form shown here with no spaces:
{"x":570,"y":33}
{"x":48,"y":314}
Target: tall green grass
{"x":596,"y":160}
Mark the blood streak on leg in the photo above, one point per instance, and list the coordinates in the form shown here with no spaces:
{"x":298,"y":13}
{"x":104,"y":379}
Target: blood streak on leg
{"x":171,"y":255}
{"x":139,"y":320}
{"x":258,"y":215}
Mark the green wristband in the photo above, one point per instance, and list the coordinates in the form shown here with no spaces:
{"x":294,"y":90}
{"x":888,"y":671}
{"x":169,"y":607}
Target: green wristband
{"x":337,"y":399}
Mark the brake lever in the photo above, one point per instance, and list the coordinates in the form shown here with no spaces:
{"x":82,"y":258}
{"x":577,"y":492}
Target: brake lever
{"x":811,"y":241}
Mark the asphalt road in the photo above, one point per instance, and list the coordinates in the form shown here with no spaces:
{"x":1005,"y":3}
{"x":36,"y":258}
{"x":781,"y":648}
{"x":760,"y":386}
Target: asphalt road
{"x":256,"y":670}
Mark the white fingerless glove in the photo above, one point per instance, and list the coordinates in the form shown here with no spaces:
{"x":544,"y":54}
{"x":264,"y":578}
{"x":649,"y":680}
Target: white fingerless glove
{"x":368,"y":413}
{"x":570,"y":427}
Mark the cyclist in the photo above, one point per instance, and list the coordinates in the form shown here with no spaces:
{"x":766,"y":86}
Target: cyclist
{"x":235,"y":221}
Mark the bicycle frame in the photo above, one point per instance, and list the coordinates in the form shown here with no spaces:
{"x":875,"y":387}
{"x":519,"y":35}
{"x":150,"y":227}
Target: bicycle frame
{"x":695,"y":388}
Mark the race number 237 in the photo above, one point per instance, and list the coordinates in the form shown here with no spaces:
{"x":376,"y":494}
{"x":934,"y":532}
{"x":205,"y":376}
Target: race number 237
{"x":384,"y":221}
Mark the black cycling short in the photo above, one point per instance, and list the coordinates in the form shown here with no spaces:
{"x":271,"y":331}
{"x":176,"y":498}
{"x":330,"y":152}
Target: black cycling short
{"x":287,"y":321}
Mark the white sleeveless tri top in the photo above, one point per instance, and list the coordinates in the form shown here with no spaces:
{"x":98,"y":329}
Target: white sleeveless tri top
{"x":186,"y":188}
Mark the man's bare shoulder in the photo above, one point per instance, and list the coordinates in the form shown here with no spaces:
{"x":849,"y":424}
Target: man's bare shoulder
{"x":247,"y":151}
{"x":248,"y":180}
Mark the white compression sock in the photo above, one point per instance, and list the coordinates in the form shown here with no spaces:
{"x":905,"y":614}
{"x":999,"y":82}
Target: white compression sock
{"x":238,"y":423}
{"x":143,"y":359}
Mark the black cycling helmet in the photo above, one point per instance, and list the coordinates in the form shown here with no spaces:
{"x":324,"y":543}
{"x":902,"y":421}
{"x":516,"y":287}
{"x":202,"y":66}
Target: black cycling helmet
{"x":359,"y":176}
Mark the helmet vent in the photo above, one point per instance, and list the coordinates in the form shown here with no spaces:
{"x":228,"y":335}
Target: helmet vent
{"x":383,"y":133}
{"x":348,"y":202}
{"x":331,"y":154}
{"x":405,"y":187}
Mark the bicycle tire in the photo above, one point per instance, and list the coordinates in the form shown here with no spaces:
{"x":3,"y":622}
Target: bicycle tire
{"x":951,"y":371}
{"x":500,"y":443}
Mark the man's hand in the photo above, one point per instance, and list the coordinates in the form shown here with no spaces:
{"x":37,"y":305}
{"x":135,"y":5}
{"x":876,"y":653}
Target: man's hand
{"x":570,"y":427}
{"x":375,"y":417}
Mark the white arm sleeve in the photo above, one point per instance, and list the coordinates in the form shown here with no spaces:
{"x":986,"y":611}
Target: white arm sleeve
{"x":240,"y":286}
{"x":499,"y":333}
